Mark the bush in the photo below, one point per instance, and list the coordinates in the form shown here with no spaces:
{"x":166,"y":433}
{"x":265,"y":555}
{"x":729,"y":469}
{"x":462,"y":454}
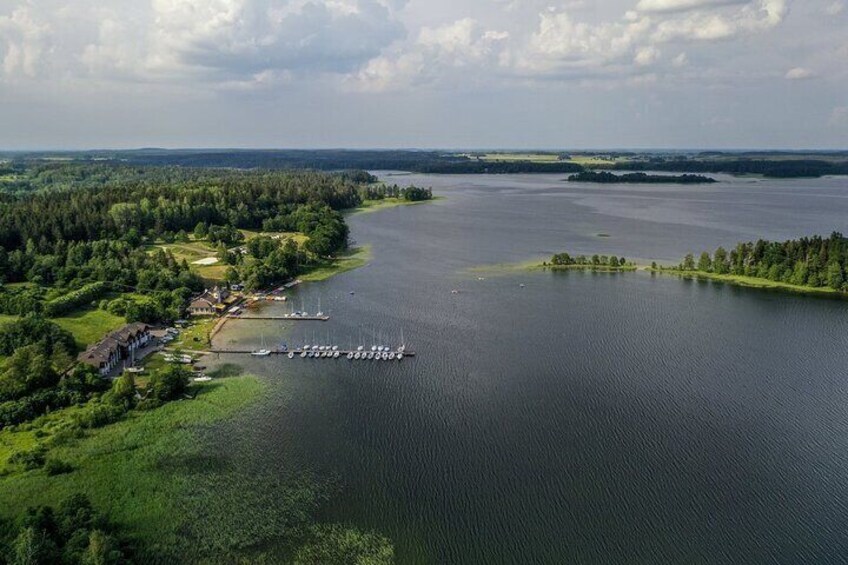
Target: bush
{"x":75,"y":299}
{"x":98,"y":414}
{"x":29,"y":460}
{"x":57,"y":467}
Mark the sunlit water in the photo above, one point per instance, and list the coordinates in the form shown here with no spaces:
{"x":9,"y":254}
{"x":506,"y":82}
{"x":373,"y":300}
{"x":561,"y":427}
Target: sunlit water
{"x":582,"y":417}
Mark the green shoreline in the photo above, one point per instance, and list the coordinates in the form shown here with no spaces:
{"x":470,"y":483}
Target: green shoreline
{"x":753,"y":282}
{"x":370,"y":206}
{"x":734,"y":280}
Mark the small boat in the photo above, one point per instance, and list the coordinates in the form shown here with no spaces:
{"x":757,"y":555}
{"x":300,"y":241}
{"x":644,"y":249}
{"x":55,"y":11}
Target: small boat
{"x":311,"y":354}
{"x":400,"y":356}
{"x":370,"y":355}
{"x":291,"y":355}
{"x":357,"y":355}
{"x":335,"y":348}
{"x":391,"y":355}
{"x":350,"y":355}
{"x":135,"y":369}
{"x":352,"y":293}
{"x":336,"y":354}
{"x":521,"y":285}
{"x":302,"y":354}
{"x":455,"y":291}
{"x":360,"y":348}
{"x":263,"y":352}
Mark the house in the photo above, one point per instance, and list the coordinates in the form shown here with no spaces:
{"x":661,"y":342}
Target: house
{"x":211,"y":302}
{"x":117,"y":346}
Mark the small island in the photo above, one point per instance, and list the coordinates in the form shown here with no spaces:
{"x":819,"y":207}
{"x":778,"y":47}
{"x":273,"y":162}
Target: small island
{"x":603,"y":177}
{"x":564,"y":261}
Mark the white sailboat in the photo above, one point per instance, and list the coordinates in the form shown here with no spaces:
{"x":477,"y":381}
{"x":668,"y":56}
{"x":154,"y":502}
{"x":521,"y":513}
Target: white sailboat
{"x":263,"y":351}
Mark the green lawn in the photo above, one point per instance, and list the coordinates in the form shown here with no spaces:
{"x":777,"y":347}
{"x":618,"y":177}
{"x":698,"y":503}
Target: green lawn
{"x":199,"y":328}
{"x":89,"y":326}
{"x":353,"y":259}
{"x":369,"y":206}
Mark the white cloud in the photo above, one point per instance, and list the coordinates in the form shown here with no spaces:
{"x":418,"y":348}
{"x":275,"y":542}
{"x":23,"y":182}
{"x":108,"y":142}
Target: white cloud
{"x":682,"y":5}
{"x":835,"y":8}
{"x":799,"y":73}
{"x":463,"y":47}
{"x":23,"y":41}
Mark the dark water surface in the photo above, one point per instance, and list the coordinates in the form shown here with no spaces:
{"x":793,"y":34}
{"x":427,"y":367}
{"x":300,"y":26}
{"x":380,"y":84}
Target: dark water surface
{"x":585,"y":417}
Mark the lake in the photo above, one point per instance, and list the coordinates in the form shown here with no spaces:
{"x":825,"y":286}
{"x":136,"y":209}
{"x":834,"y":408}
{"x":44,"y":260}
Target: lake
{"x":593,"y":418}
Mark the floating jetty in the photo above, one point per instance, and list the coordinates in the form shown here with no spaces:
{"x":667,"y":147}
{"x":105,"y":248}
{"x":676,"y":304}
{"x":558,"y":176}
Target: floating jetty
{"x":281,"y":318}
{"x":330,"y":354}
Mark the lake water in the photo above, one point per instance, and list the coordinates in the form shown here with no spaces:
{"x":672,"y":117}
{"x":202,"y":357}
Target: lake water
{"x":595,"y":418}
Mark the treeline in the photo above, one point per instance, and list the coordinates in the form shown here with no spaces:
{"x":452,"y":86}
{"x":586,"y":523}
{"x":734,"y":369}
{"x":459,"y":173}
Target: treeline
{"x":410,"y":193}
{"x":475,"y":167}
{"x":604,"y":177}
{"x":595,"y":261}
{"x":814,"y":261}
{"x":775,"y":168}
{"x":168,"y":202}
{"x":76,"y":298}
{"x":74,"y":533}
{"x":120,"y":265}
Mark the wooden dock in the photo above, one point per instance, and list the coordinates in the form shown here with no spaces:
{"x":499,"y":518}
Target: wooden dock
{"x":281,"y":318}
{"x":297,"y":352}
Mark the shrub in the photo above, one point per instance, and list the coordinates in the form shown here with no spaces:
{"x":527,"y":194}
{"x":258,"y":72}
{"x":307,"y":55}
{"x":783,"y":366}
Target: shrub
{"x":57,"y":467}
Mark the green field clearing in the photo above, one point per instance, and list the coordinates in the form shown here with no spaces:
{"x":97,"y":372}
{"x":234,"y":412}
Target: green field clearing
{"x":89,"y":326}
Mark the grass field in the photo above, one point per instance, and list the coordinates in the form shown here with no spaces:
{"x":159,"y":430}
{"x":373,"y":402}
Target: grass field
{"x":89,"y":326}
{"x":200,"y":329}
{"x":353,"y":259}
{"x":152,"y":475}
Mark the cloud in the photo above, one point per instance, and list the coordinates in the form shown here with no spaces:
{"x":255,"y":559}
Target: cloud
{"x":463,"y":47}
{"x":682,"y":5}
{"x":835,"y":8}
{"x":23,"y":41}
{"x":799,"y":73}
{"x":562,"y":44}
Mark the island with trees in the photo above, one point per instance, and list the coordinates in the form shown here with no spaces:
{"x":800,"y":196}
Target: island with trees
{"x":565,"y":261}
{"x":814,"y":265}
{"x":604,"y":177}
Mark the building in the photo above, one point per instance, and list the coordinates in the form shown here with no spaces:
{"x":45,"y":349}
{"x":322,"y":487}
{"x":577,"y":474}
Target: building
{"x":116,"y":347}
{"x":210,"y":303}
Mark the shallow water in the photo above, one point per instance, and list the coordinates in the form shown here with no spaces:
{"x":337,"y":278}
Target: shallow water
{"x":583,"y":417}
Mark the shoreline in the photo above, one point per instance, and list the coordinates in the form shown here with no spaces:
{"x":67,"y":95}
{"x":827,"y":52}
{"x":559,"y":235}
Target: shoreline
{"x":753,"y":282}
{"x":370,"y":206}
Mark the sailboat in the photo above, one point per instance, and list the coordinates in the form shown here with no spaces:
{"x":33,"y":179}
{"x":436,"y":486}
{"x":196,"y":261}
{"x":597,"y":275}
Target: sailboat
{"x":402,"y":347}
{"x":263,"y":352}
{"x":320,"y":314}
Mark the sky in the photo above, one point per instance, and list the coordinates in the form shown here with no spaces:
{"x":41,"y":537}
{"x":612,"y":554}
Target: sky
{"x":523,"y":74}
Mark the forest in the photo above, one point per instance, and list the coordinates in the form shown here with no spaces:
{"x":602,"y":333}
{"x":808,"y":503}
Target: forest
{"x":815,"y":262}
{"x":775,"y":164}
{"x":604,"y":177}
